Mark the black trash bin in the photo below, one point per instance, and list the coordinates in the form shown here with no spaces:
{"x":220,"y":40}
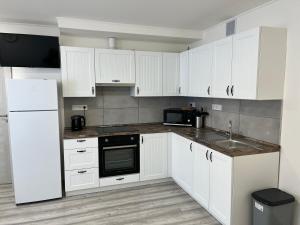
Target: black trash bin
{"x":272,"y":207}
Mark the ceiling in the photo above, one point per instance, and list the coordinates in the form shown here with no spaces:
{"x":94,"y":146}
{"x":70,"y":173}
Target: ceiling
{"x":184,"y":14}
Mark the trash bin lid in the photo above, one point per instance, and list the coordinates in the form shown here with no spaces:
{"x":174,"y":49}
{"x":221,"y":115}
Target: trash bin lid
{"x":273,"y":197}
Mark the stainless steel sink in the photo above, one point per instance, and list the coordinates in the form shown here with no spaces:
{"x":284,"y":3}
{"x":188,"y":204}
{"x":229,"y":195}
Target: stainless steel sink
{"x":234,"y":144}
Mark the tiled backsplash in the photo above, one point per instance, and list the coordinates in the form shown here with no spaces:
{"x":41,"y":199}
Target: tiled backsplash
{"x":114,"y":105}
{"x":256,"y":119}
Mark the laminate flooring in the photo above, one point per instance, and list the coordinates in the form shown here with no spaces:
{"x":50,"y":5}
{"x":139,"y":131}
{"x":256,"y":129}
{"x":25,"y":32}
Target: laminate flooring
{"x":155,"y":204}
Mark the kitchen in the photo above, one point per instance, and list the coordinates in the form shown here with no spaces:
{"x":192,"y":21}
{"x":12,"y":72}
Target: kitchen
{"x":88,"y":88}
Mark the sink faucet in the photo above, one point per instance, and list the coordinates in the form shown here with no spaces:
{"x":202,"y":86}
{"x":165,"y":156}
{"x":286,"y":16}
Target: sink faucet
{"x":230,"y":130}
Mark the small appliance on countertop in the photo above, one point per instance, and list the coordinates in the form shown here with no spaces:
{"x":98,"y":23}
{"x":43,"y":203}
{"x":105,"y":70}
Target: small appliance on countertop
{"x":201,"y":119}
{"x":78,"y":122}
{"x":180,"y":117}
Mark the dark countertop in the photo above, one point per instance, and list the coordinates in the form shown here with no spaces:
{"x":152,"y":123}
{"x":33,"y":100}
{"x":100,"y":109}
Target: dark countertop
{"x":205,"y":136}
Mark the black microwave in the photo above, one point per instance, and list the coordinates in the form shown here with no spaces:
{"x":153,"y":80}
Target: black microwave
{"x":180,"y":117}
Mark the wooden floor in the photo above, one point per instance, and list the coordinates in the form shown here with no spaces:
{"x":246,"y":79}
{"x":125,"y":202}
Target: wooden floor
{"x":157,"y":204}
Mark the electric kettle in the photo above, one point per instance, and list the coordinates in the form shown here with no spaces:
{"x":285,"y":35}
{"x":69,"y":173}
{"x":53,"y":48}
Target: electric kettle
{"x":78,"y":122}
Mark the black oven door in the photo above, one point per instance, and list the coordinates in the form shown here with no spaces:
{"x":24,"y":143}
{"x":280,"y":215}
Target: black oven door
{"x":119,"y":160}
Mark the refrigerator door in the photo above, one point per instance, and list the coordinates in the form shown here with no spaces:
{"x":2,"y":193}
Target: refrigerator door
{"x":35,"y":154}
{"x":30,"y":95}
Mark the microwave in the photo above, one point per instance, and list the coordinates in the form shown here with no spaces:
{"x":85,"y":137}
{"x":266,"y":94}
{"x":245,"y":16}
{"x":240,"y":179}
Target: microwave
{"x":180,"y":117}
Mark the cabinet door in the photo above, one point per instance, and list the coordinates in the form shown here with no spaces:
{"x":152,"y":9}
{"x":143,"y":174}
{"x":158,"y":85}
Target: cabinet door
{"x":78,"y":72}
{"x":153,"y":156}
{"x":114,"y":66}
{"x":201,"y":175}
{"x":148,"y":74}
{"x":222,"y":68}
{"x":184,"y":74}
{"x":220,"y":186}
{"x":182,"y":162}
{"x":81,"y":179}
{"x":170,"y":74}
{"x":245,"y":64}
{"x":81,"y":158}
{"x":200,"y":60}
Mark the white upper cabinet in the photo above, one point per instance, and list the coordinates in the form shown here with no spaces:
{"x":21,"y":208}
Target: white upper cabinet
{"x":148,"y":74}
{"x":258,"y":66}
{"x":200,"y":71}
{"x":154,"y":156}
{"x":78,"y":72}
{"x":184,"y":74}
{"x":114,"y":66}
{"x":171,"y":74}
{"x":221,"y":77}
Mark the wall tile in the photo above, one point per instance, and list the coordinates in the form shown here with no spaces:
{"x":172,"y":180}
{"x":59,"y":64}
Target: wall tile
{"x":270,"y":109}
{"x":118,"y":97}
{"x":120,"y":116}
{"x":228,"y":105}
{"x":155,"y":102}
{"x":220,"y":120}
{"x":150,"y":115}
{"x":94,"y":117}
{"x":266,"y":129}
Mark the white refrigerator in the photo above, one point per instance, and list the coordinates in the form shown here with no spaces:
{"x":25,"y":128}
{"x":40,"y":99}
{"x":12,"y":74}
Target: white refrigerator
{"x":34,"y":139}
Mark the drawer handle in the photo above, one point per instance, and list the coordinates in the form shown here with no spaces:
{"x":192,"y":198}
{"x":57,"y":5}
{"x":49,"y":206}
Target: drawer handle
{"x":116,"y":81}
{"x":119,"y":179}
{"x":81,"y":151}
{"x":82,"y":171}
{"x":81,"y":140}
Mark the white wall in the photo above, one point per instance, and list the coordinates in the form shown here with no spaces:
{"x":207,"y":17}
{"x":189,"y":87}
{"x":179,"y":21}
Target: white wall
{"x":282,"y":13}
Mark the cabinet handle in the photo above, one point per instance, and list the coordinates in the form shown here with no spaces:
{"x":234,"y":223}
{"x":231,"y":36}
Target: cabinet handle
{"x":116,"y":81}
{"x":210,"y":156}
{"x":119,"y":179}
{"x":82,"y":171}
{"x":179,"y":90}
{"x":227,"y":90}
{"x":206,"y":154}
{"x":81,"y":140}
{"x":93,"y":90}
{"x":232,"y":90}
{"x":208,"y":90}
{"x":138,"y":90}
{"x":142,"y":140}
{"x":81,"y":151}
{"x":191,"y":146}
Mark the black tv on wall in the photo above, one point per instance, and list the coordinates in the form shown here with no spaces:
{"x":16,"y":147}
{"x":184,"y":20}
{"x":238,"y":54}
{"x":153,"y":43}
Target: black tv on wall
{"x":22,"y":50}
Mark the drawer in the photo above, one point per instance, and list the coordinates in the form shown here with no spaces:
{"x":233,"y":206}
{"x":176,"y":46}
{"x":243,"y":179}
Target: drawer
{"x":107,"y":181}
{"x":81,"y":143}
{"x":81,"y":179}
{"x":81,"y":158}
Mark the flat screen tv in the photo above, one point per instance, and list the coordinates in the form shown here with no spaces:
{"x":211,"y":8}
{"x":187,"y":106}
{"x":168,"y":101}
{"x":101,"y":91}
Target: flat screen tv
{"x":22,"y":50}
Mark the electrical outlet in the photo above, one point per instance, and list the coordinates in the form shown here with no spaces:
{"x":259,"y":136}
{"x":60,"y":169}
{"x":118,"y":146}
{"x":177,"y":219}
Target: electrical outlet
{"x":192,"y":104}
{"x":216,"y":107}
{"x":79,"y":107}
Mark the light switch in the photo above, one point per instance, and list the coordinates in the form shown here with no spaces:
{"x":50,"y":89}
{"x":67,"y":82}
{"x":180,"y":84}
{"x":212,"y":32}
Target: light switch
{"x":79,"y":107}
{"x":216,"y":107}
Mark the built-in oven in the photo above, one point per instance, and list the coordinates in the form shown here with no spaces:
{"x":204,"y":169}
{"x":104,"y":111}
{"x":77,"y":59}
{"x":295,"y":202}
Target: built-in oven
{"x":119,"y":155}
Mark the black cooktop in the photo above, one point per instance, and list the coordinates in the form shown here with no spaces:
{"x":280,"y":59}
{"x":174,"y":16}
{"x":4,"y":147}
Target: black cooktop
{"x":114,"y":129}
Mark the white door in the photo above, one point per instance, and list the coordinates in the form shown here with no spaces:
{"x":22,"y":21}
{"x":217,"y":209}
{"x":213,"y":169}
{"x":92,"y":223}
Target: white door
{"x":153,"y":156}
{"x":184,"y":74}
{"x":245,"y":64}
{"x":222,"y":68}
{"x":220,"y":186}
{"x":78,"y":72}
{"x":201,"y":175}
{"x":182,"y":162}
{"x":148,"y":73}
{"x":114,"y":66}
{"x":5,"y":170}
{"x":170,"y":74}
{"x":201,"y":62}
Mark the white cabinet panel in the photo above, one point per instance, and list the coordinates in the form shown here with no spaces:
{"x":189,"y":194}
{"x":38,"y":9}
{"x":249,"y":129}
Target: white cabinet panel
{"x":81,"y":179}
{"x":182,"y":162}
{"x":220,"y":186}
{"x":184,"y":74}
{"x":200,"y":71}
{"x":153,"y":156}
{"x":78,"y":72}
{"x":114,"y":66}
{"x":81,"y":158}
{"x":125,"y":179}
{"x":201,"y":175}
{"x":81,"y":143}
{"x":222,"y":68}
{"x":170,"y":74}
{"x":148,"y":74}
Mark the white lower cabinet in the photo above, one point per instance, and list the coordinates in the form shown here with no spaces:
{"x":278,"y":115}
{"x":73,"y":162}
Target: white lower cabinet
{"x":122,"y":179}
{"x":153,"y":156}
{"x":81,"y":179}
{"x":81,"y":158}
